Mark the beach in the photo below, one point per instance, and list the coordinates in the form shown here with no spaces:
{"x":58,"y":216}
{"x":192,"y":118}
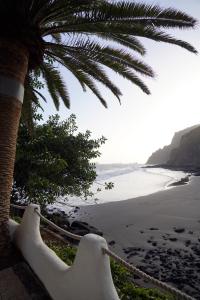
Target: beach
{"x":159,"y":233}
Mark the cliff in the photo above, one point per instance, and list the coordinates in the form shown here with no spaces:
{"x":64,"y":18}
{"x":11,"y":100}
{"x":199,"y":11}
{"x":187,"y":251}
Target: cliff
{"x":168,"y":154}
{"x":161,"y":156}
{"x":188,"y":152}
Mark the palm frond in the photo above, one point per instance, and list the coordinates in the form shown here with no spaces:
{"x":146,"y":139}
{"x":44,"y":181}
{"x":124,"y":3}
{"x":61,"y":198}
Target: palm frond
{"x":97,"y":52}
{"x":30,"y":99}
{"x":51,"y":87}
{"x":56,"y":11}
{"x":143,"y":13}
{"x":75,"y":64}
{"x":128,"y":41}
{"x":57,"y":38}
{"x":125,"y":13}
{"x":40,"y":95}
{"x":87,"y":36}
{"x":87,"y":80}
{"x":55,"y":85}
{"x":149,"y":32}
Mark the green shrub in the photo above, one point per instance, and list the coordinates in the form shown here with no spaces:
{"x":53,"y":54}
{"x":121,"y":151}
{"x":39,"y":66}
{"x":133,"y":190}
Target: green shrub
{"x":17,"y":219}
{"x":122,"y":278}
{"x":67,"y":254}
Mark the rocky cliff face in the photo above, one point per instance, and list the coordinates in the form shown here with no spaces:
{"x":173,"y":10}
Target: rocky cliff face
{"x":161,"y":156}
{"x":188,"y":152}
{"x":167,"y":154}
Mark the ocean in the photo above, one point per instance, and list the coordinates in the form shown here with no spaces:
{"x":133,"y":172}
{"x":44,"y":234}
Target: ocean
{"x":130,"y":181}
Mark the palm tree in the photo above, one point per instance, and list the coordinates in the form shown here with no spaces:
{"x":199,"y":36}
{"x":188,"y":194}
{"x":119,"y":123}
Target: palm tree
{"x":83,"y":36}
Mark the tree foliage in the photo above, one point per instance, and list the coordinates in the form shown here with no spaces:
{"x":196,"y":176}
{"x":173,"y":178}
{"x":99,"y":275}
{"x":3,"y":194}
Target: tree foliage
{"x":55,"y":160}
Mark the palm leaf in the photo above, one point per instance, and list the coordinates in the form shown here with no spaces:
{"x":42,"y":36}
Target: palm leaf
{"x":149,"y":32}
{"x":93,"y":50}
{"x":128,"y":41}
{"x":55,"y":85}
{"x":90,"y":68}
{"x":87,"y":36}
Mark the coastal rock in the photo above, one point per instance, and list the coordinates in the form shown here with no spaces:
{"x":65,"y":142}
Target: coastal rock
{"x":153,"y":228}
{"x":111,"y":243}
{"x":160,"y":156}
{"x":83,"y":228}
{"x":182,"y":181}
{"x":163,"y":156}
{"x":179,"y":230}
{"x":188,"y":152}
{"x":77,"y":227}
{"x":174,"y":266}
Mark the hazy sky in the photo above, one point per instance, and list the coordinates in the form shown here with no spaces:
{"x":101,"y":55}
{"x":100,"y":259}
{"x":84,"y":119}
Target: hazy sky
{"x":142,"y":124}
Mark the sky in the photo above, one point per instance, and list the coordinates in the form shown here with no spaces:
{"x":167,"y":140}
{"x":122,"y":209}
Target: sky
{"x":142,"y":124}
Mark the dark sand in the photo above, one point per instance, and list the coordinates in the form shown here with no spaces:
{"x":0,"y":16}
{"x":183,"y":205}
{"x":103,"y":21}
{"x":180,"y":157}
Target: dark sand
{"x":159,"y":233}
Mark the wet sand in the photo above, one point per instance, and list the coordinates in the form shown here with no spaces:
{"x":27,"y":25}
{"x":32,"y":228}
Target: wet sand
{"x":160,"y":233}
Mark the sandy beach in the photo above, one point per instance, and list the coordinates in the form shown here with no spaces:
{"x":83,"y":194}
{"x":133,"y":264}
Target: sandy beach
{"x":160,"y":233}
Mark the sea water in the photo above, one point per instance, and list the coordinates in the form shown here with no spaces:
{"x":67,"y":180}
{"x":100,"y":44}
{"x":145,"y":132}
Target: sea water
{"x":130,"y":181}
{"x":134,"y":180}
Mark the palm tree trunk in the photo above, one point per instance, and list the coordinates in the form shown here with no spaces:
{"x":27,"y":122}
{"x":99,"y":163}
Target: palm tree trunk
{"x":13,"y":69}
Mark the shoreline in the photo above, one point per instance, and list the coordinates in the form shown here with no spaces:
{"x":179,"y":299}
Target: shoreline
{"x":182,"y":181}
{"x":160,"y":233}
{"x":193,"y":170}
{"x":171,"y":180}
{"x":174,"y":181}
